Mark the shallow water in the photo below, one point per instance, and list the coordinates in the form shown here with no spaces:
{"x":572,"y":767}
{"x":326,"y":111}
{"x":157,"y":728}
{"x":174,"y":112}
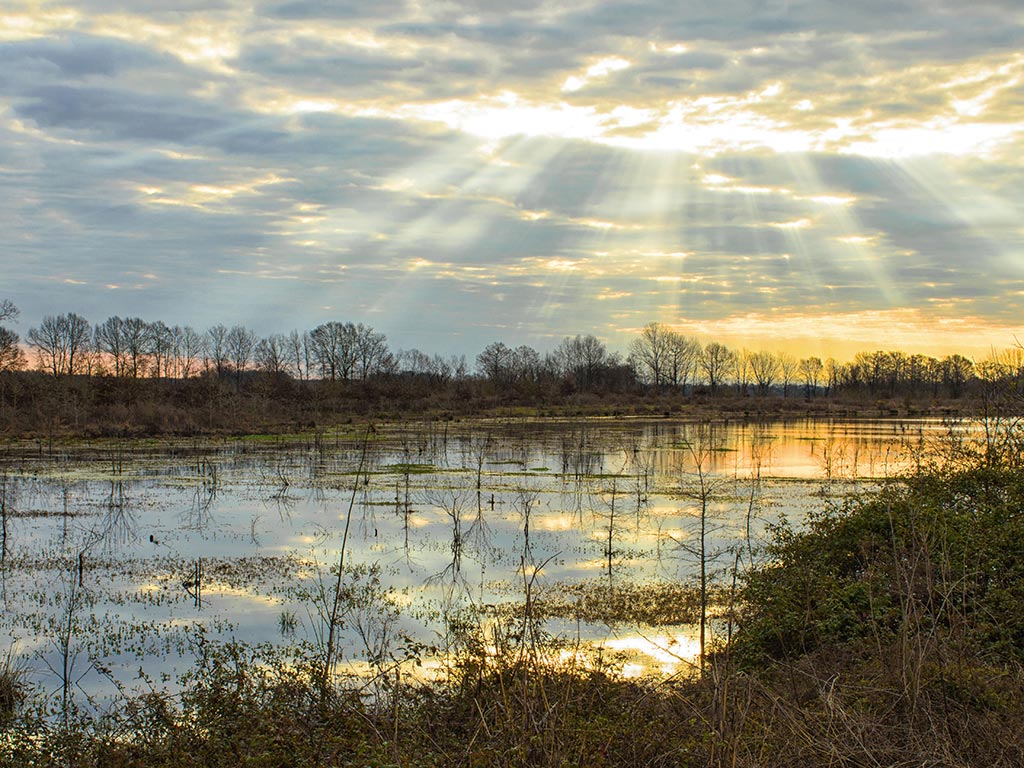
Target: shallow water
{"x":108,"y":539}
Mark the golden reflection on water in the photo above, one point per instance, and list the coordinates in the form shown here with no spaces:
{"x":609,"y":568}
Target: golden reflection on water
{"x":620,"y":505}
{"x":665,"y":653}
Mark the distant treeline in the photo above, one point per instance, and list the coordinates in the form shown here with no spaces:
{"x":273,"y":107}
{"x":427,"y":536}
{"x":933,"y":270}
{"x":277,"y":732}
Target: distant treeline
{"x":339,"y":366}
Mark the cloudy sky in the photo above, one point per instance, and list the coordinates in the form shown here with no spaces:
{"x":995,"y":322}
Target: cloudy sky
{"x":816,"y":176}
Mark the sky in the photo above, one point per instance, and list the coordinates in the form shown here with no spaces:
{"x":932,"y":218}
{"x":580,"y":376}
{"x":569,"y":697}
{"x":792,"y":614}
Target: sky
{"x":816,"y":177}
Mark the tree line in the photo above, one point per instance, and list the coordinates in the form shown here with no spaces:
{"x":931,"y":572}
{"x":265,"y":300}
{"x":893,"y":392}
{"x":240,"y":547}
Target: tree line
{"x":658,"y":359}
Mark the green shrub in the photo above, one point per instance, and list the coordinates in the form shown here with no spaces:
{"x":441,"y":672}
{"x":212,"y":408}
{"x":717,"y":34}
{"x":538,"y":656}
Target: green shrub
{"x":940,"y":555}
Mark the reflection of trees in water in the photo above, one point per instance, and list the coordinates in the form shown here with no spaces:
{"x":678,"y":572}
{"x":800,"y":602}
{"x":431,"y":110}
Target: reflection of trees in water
{"x":277,"y":477}
{"x":708,"y":492}
{"x":639,"y":464}
{"x":454,"y":502}
{"x":199,"y":515}
{"x":526,"y":499}
{"x":479,"y":536}
{"x":7,"y":501}
{"x":609,"y":492}
{"x":65,"y":511}
{"x":580,"y":460}
{"x":119,"y":525}
{"x":760,"y":447}
{"x":368,"y":516}
{"x":476,"y":450}
{"x":6,"y":507}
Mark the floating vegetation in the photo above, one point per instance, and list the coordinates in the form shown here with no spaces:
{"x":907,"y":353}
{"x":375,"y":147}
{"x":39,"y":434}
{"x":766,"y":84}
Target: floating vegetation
{"x":595,"y":602}
{"x":410,"y":469}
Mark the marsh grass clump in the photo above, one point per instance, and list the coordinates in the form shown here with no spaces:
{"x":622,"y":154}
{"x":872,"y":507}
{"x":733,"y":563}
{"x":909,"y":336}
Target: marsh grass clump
{"x":13,"y":687}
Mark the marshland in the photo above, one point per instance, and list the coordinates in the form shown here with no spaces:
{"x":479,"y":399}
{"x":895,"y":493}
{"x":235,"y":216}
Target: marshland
{"x":377,"y":579}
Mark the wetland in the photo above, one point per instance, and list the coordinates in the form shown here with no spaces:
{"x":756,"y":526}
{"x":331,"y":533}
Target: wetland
{"x":119,"y":556}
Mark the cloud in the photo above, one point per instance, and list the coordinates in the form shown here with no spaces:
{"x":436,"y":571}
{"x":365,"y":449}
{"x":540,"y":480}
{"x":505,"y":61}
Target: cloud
{"x":527,"y":170}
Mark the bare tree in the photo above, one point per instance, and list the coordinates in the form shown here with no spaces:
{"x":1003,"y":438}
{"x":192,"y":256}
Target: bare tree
{"x":272,"y":354}
{"x":765,"y":367}
{"x":957,"y":370}
{"x":832,"y":373}
{"x":300,"y":354}
{"x":79,"y":333}
{"x":810,"y":370}
{"x":240,"y":344}
{"x":649,"y":353}
{"x":415,"y":362}
{"x":188,"y":348}
{"x":161,"y":346}
{"x":370,"y":352}
{"x":11,"y":356}
{"x":495,"y":362}
{"x":108,"y":338}
{"x":706,"y":489}
{"x":334,"y":347}
{"x":135,"y":339}
{"x":581,"y":357}
{"x":61,"y":343}
{"x":787,"y":371}
{"x":216,"y":348}
{"x":715,"y":360}
{"x":525,"y":364}
{"x":681,"y":360}
{"x":437,"y":368}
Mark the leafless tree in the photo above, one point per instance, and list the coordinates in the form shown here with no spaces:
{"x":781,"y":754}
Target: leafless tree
{"x":161,"y":347}
{"x":810,"y":370}
{"x":333,"y":346}
{"x":716,"y":360}
{"x":526,"y":363}
{"x":108,"y":338}
{"x":135,"y":339}
{"x":495,"y":362}
{"x":787,"y":371}
{"x":187,"y":350}
{"x":581,"y":357}
{"x":61,"y":343}
{"x":240,"y":344}
{"x":300,"y":354}
{"x":437,"y":368}
{"x":681,"y":362}
{"x":371,"y":352}
{"x":649,"y":353}
{"x":216,"y":348}
{"x":765,"y":367}
{"x":11,"y":356}
{"x":272,"y":354}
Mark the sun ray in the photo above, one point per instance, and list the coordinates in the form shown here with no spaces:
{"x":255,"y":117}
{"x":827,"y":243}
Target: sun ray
{"x":849,"y":240}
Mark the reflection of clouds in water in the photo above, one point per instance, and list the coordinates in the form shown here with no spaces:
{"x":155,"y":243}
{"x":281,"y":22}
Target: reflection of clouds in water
{"x":568,"y":518}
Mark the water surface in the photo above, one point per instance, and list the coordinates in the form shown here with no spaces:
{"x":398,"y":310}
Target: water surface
{"x":143,"y":550}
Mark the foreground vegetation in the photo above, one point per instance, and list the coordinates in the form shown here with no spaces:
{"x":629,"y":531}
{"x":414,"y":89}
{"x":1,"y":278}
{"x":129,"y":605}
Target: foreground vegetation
{"x":887,"y":631}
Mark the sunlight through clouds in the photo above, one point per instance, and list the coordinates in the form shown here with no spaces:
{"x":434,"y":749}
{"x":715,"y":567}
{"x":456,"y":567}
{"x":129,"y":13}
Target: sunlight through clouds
{"x":451,"y":173}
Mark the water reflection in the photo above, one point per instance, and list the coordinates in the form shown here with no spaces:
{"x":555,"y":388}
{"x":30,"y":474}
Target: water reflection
{"x":118,"y":527}
{"x":450,"y":516}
